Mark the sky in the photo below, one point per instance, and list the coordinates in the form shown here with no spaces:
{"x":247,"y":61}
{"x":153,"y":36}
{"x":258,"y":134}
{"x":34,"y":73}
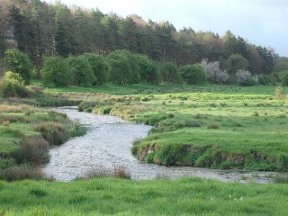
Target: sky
{"x":261,"y":22}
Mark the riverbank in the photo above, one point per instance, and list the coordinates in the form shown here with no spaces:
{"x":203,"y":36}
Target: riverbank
{"x":27,"y":133}
{"x":224,"y":127}
{"x":107,"y":145}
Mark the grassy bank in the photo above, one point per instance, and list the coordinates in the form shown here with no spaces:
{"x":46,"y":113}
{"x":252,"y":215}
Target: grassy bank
{"x":126,"y":197}
{"x":213,"y":126}
{"x":26,"y":134}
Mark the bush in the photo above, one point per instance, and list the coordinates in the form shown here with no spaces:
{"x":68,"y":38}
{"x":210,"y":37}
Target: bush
{"x":244,"y":78}
{"x":236,"y":62}
{"x":81,"y":70}
{"x":170,"y":73}
{"x":21,"y":173}
{"x":32,"y":150}
{"x":135,"y":76}
{"x":120,"y":70}
{"x":265,"y":79}
{"x":148,"y":70}
{"x":99,"y":66}
{"x":18,"y":62}
{"x":284,"y":78}
{"x":214,"y":73}
{"x":193,"y":74}
{"x":11,"y":85}
{"x":54,"y":133}
{"x":56,"y":72}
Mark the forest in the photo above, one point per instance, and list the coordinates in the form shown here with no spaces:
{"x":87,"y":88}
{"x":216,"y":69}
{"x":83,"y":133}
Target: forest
{"x":40,"y":29}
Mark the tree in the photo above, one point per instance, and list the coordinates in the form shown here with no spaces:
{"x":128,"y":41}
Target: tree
{"x":193,"y":74}
{"x":236,"y":62}
{"x":214,"y":73}
{"x":81,"y":70}
{"x":148,"y":69}
{"x":18,"y":62}
{"x":55,"y":72}
{"x":99,"y":66}
{"x":281,"y":64}
{"x":169,"y":73}
{"x":11,"y":85}
{"x":244,"y":78}
{"x":284,"y":78}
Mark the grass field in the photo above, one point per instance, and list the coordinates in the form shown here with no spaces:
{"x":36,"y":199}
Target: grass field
{"x":207,"y":126}
{"x":216,"y":126}
{"x":158,"y":197}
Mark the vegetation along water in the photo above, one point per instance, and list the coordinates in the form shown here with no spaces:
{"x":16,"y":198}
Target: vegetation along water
{"x":215,"y":102}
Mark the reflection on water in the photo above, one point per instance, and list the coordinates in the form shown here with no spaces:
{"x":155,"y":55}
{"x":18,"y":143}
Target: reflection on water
{"x":108,"y":143}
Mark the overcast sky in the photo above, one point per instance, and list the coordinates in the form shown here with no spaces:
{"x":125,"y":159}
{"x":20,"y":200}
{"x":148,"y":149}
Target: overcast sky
{"x":261,"y":22}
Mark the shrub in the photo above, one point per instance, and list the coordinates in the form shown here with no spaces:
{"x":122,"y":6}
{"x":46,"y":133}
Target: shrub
{"x":56,"y":72}
{"x":135,"y":76}
{"x":54,"y":133}
{"x":99,"y":66}
{"x":11,"y":85}
{"x":32,"y":150}
{"x":81,"y":70}
{"x":193,"y":74}
{"x":21,"y":173}
{"x":117,"y":172}
{"x":279,"y":93}
{"x":244,"y":78}
{"x":148,"y":70}
{"x":213,"y":126}
{"x":284,"y":78}
{"x":18,"y":62}
{"x":265,"y":79}
{"x":170,"y":73}
{"x":236,"y":62}
{"x":214,"y":73}
{"x":120,"y":70}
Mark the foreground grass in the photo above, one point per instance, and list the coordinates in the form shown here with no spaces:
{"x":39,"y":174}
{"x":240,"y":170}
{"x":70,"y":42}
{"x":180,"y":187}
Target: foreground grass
{"x":125,"y":197}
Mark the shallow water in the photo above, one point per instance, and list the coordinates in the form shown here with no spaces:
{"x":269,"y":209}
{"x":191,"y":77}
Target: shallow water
{"x":107,"y":144}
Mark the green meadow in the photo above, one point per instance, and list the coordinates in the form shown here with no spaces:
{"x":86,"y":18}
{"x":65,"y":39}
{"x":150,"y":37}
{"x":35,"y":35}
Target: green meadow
{"x":227,"y":127}
{"x":106,"y":196}
{"x":215,"y":126}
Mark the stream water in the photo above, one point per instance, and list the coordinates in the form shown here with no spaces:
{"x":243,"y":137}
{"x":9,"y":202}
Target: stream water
{"x":107,"y":144}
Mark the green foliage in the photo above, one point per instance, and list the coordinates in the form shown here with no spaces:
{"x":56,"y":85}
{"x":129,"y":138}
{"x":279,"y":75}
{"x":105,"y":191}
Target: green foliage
{"x":81,"y":70}
{"x":120,"y":69}
{"x":267,"y":79}
{"x":54,"y":133}
{"x":284,"y":78}
{"x":56,"y":72}
{"x":32,"y":150}
{"x":170,"y":73}
{"x":193,"y":74}
{"x":133,"y":65}
{"x":99,"y":67}
{"x":18,"y":62}
{"x":236,"y":62}
{"x":11,"y":85}
{"x":148,"y":69}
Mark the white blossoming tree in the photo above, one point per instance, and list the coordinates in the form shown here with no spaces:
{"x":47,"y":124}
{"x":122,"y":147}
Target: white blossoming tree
{"x":214,"y":73}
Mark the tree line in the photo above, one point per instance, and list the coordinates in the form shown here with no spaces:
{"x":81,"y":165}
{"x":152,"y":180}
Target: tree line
{"x":41,"y":29}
